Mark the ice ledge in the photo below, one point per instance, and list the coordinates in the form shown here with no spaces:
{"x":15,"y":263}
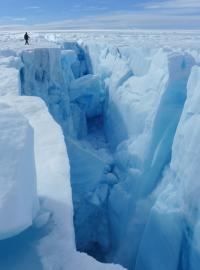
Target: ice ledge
{"x":18,"y":196}
{"x":57,"y":249}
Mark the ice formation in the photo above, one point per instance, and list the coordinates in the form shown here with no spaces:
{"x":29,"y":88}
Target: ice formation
{"x":174,"y":217}
{"x":17,"y":174}
{"x":49,"y":243}
{"x":119,"y":119}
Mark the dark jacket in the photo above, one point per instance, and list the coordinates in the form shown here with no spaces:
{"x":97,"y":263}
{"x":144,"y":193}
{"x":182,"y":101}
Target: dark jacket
{"x":26,"y":36}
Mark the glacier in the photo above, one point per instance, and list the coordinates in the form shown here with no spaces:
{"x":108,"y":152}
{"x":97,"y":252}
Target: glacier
{"x":49,"y":241}
{"x":113,"y":150}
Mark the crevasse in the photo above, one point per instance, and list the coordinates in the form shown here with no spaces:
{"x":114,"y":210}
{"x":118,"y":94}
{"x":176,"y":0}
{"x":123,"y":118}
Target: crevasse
{"x":77,"y":100}
{"x":125,"y":116}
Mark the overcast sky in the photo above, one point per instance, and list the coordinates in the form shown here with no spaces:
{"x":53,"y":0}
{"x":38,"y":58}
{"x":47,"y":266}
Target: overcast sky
{"x":107,"y":14}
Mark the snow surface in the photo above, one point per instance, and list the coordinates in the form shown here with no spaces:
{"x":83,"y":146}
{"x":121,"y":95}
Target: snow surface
{"x":126,"y":105}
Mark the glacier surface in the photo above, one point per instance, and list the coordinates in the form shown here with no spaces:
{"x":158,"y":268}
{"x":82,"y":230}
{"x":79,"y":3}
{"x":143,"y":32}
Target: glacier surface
{"x":116,"y":153}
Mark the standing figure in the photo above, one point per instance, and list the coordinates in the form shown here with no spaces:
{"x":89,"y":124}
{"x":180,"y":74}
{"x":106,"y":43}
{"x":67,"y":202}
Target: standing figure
{"x":26,"y":38}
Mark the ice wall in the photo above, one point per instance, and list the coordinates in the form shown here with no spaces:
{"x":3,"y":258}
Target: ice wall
{"x":9,"y":73}
{"x":76,"y":100}
{"x":52,"y":244}
{"x":43,"y":75}
{"x":18,"y":195}
{"x":82,"y":65}
{"x":174,"y":218}
{"x":87,"y":99}
{"x":147,"y":97}
{"x":57,"y":77}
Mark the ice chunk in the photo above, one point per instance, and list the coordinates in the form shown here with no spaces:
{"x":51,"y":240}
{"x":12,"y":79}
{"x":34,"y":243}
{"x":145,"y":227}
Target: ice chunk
{"x":80,"y":67}
{"x":89,"y":94}
{"x":70,"y":56}
{"x":84,"y":177}
{"x":18,"y":194}
{"x":42,"y":219}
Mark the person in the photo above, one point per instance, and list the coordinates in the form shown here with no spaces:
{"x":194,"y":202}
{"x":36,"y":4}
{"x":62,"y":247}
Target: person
{"x":26,"y":38}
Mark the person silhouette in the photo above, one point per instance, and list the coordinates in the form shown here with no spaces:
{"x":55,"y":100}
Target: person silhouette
{"x":26,"y":38}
